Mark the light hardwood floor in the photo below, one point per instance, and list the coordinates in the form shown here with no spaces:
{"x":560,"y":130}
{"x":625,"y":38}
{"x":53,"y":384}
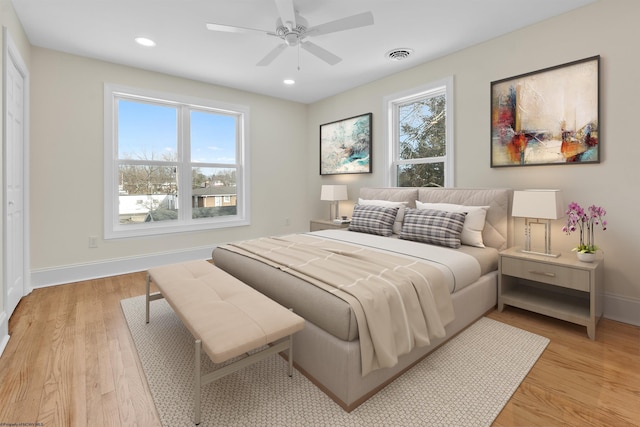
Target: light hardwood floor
{"x":71,"y":362}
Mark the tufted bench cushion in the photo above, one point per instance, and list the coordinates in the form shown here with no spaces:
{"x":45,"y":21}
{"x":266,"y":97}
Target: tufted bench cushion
{"x":226,"y":317}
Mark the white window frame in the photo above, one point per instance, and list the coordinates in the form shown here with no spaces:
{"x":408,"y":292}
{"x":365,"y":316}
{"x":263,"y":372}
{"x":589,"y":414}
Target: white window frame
{"x":112,"y":227}
{"x":392,"y":131}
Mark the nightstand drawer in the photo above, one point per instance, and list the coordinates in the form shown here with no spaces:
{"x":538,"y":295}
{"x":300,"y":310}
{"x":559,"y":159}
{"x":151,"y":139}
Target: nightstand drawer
{"x":546,"y":273}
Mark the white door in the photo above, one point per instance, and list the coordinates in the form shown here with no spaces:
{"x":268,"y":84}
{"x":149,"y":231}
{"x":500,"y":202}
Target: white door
{"x":14,"y":221}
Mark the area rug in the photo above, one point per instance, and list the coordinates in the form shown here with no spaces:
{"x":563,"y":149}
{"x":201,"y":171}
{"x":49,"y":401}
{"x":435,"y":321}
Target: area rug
{"x":466,"y":382}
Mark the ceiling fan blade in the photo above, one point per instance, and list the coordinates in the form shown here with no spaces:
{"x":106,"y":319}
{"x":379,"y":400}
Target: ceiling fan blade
{"x":232,"y":29}
{"x":321,"y":53}
{"x":272,"y":55}
{"x":354,"y":21}
{"x":287,"y":13}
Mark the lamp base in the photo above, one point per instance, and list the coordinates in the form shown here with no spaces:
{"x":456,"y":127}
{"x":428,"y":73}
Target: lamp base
{"x":334,"y":210}
{"x":547,"y":238}
{"x":550,"y":254}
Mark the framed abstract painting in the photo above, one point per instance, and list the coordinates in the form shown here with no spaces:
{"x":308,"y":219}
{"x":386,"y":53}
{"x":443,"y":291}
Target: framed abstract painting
{"x":345,"y":146}
{"x":550,"y":116}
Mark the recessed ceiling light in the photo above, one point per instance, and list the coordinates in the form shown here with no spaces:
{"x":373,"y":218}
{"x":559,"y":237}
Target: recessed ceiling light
{"x":289,"y":81}
{"x":143,"y":41}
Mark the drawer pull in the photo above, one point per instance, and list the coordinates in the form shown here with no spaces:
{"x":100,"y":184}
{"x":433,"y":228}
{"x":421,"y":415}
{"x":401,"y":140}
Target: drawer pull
{"x":543,"y":273}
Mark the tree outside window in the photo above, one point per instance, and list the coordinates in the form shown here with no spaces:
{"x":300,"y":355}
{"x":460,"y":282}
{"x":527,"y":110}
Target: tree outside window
{"x":421,"y":138}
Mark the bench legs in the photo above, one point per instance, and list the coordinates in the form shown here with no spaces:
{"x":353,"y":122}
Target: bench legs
{"x":150,"y":297}
{"x":201,"y":380}
{"x":290,"y":373}
{"x":197,"y":384}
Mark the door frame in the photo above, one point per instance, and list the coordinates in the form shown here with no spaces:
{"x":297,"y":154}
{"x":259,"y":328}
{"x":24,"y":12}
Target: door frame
{"x":10,"y":53}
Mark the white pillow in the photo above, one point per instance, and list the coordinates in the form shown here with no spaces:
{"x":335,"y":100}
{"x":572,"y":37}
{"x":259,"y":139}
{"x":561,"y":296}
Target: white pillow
{"x":473,"y":222}
{"x":397,"y":225}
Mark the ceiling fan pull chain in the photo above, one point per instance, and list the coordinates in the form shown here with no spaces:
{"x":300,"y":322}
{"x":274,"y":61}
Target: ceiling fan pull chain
{"x":298,"y":56}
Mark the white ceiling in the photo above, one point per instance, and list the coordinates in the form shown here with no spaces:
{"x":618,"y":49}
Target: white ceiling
{"x":105,"y":29}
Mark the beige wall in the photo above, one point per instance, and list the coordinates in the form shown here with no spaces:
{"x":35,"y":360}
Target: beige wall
{"x":67,"y":161}
{"x":607,"y":28}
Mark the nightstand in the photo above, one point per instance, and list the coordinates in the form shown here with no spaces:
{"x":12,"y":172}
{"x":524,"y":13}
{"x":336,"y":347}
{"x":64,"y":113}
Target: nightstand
{"x":325,"y":224}
{"x":562,"y":287}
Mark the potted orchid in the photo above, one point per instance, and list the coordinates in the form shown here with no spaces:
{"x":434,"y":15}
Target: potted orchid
{"x":585,"y":221}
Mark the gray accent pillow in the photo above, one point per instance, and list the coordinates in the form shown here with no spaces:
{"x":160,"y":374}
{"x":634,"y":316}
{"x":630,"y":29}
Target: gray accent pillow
{"x":473,"y":223}
{"x":433,"y":226}
{"x":373,"y":219}
{"x":397,"y":225}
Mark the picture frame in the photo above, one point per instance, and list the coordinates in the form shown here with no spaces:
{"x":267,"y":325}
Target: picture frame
{"x":547,"y":117}
{"x":345,"y":146}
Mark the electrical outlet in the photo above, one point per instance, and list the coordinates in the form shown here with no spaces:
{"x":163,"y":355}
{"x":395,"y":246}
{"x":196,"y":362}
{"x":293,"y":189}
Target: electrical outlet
{"x":93,"y":242}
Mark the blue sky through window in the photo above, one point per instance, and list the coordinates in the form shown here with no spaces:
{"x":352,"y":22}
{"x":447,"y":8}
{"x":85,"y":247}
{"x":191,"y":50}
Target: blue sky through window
{"x":213,"y":137}
{"x":150,"y":132}
{"x":146,"y":131}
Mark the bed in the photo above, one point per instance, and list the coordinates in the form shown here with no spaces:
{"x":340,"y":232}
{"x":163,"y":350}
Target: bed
{"x":333,"y":349}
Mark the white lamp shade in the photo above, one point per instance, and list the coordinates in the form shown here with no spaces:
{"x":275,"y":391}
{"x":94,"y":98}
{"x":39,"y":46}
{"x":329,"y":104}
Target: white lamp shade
{"x":543,"y":204}
{"x":333,"y":192}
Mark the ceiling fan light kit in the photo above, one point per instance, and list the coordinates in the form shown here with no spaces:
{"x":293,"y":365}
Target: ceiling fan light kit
{"x":293,"y":30}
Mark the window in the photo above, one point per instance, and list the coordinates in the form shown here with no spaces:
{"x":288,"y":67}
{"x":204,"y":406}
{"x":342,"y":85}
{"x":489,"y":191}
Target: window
{"x":173,"y":163}
{"x":420,"y":135}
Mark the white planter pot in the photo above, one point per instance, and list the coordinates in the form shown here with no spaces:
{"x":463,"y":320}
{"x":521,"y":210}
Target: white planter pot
{"x":586,"y":257}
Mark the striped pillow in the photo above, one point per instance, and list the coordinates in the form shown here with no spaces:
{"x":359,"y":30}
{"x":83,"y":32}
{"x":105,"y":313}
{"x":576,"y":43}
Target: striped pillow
{"x":373,"y":219}
{"x":433,"y":226}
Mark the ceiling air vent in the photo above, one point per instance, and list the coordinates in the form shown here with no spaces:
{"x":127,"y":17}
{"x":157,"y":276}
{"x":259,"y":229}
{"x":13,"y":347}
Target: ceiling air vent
{"x":399,"y":54}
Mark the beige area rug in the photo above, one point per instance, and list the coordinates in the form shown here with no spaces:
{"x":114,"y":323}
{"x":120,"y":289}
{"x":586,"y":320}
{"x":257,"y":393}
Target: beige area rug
{"x":466,"y":382}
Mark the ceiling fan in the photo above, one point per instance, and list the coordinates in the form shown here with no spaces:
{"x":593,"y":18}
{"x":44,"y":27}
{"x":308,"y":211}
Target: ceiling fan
{"x":294,"y":30}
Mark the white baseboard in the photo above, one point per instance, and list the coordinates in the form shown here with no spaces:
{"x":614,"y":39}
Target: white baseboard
{"x":44,"y":277}
{"x":622,"y":309}
{"x":4,"y":331}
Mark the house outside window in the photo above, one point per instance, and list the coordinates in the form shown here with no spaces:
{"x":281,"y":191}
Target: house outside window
{"x":420,"y":136}
{"x":168,"y":159}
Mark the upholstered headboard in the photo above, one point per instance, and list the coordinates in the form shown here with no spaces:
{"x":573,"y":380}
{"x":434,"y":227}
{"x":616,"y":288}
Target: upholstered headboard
{"x":495,"y":232}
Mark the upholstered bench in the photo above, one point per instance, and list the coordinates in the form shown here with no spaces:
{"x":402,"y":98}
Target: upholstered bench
{"x":226,"y":317}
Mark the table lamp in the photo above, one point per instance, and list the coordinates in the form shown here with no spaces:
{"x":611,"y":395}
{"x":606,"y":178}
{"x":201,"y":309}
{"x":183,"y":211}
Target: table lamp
{"x":536,"y":205}
{"x":333,"y":193}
